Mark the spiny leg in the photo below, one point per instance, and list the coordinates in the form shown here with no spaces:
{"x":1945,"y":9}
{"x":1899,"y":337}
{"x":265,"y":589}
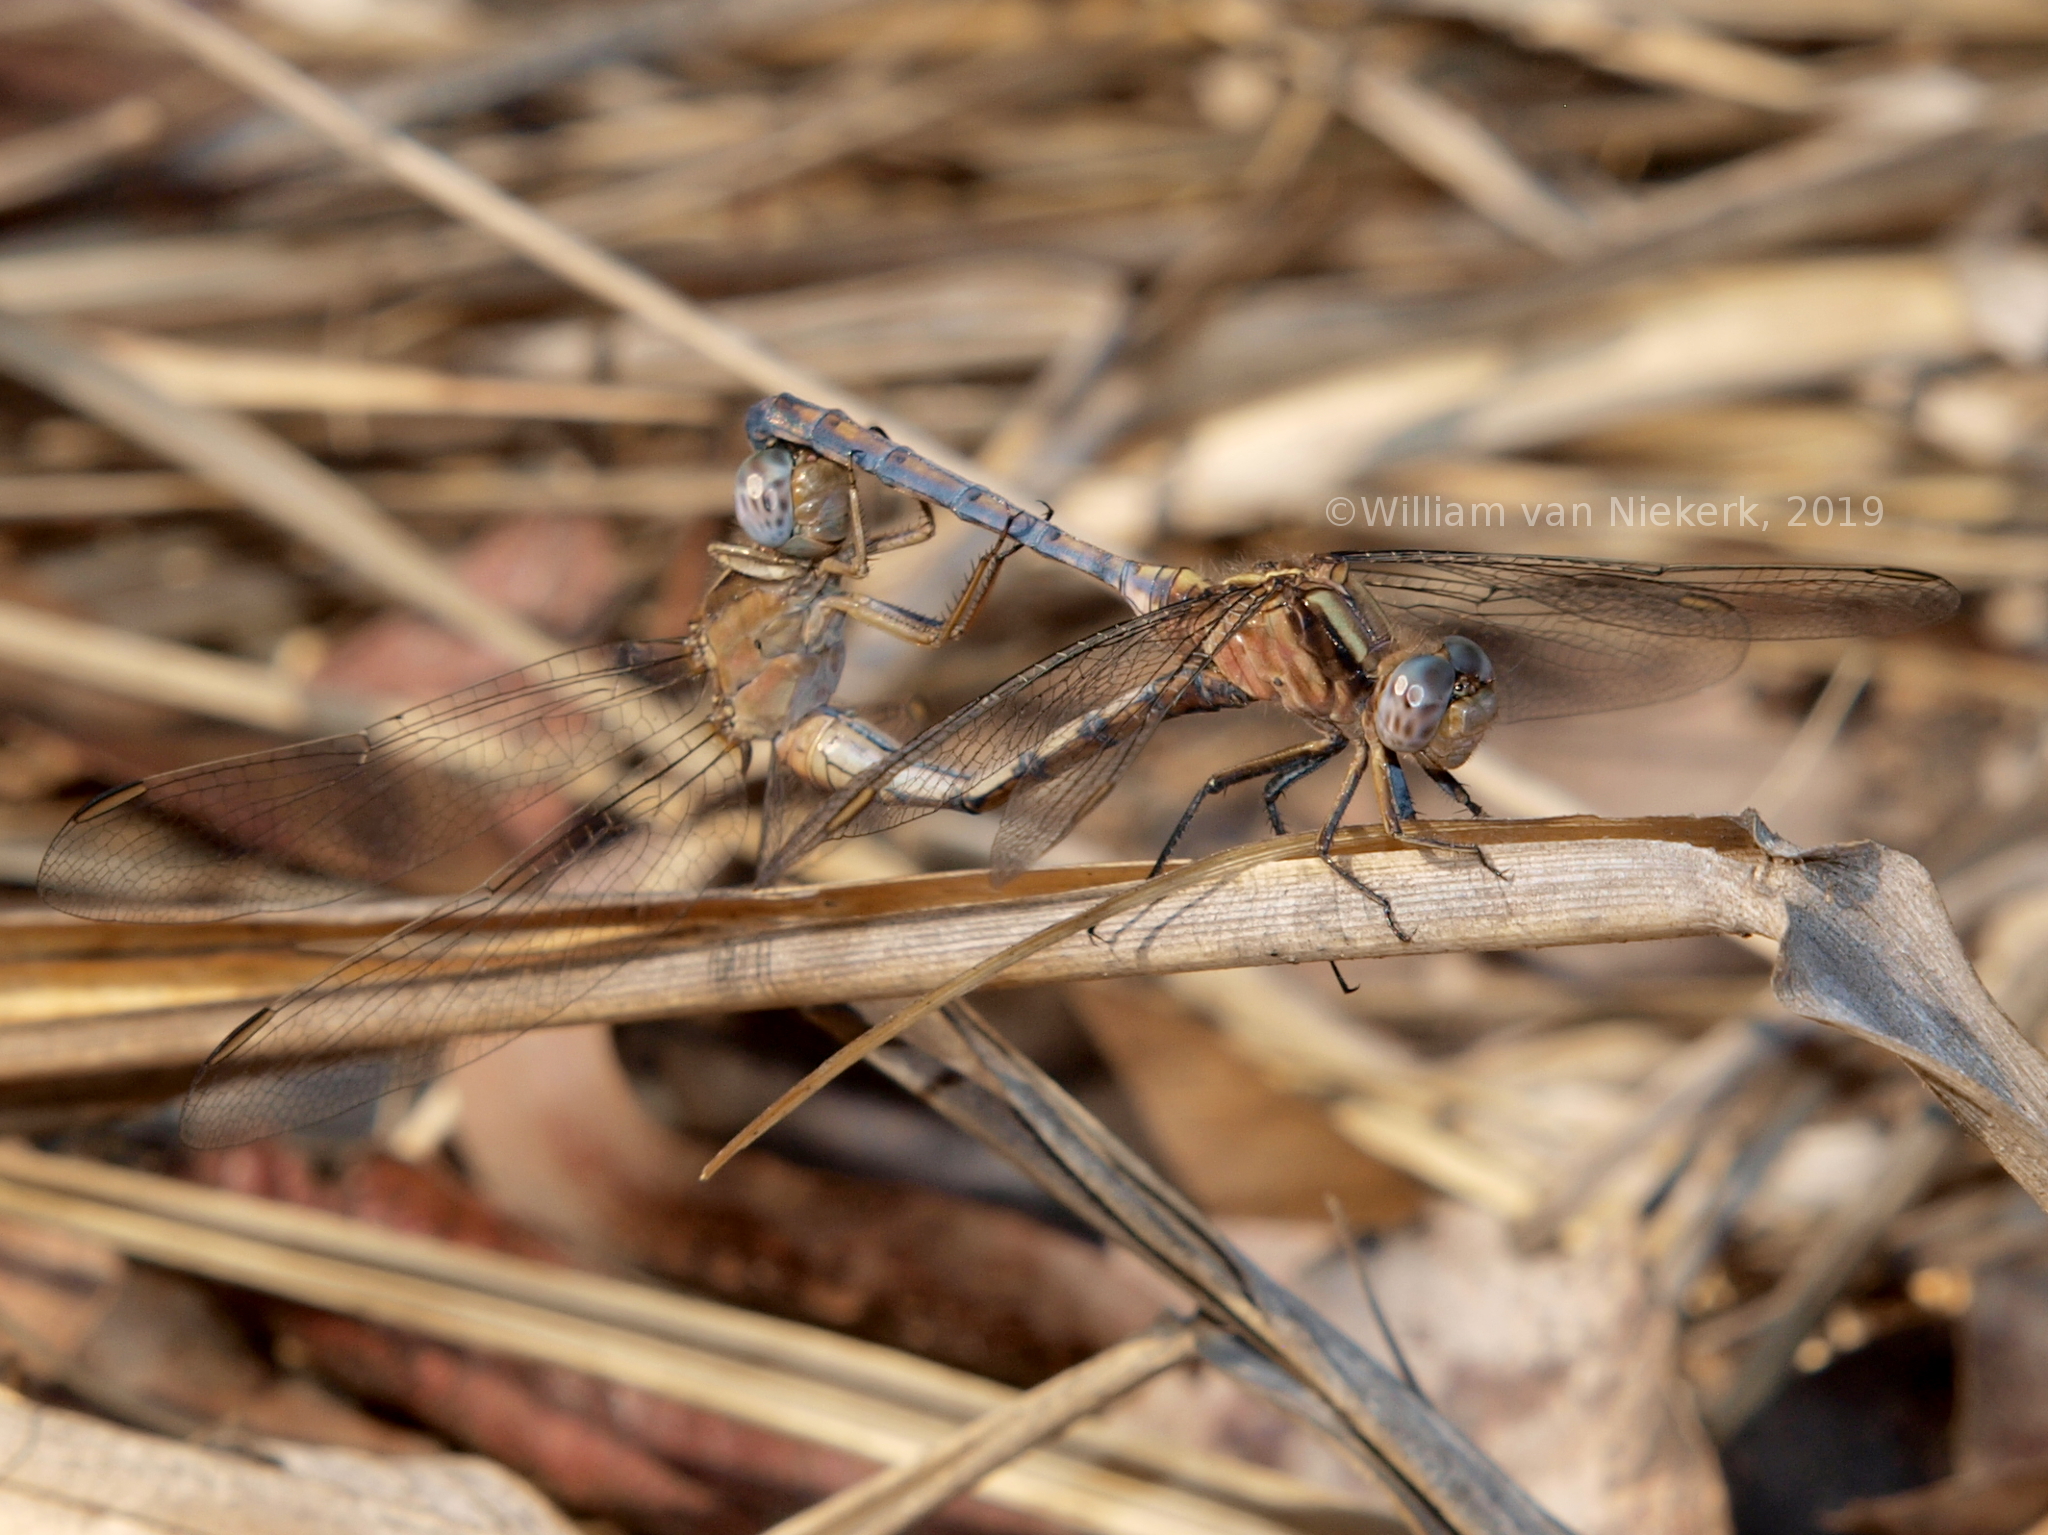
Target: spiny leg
{"x":1291,"y":762}
{"x":979,"y":584}
{"x":1362,"y":759}
{"x":1447,"y":781}
{"x":921,"y":628}
{"x":916,"y":627}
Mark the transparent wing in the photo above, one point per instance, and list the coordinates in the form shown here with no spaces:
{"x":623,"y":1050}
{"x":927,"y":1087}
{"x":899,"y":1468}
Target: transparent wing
{"x":1046,"y":745}
{"x":475,"y":974}
{"x":1574,"y":636}
{"x":309,"y":823}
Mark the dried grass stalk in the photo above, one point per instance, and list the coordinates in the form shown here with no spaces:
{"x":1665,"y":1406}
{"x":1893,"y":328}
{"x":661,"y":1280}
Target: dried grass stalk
{"x":904,"y":1494}
{"x":51,"y":160}
{"x":1447,"y":145}
{"x":476,"y":202}
{"x":296,"y":492}
{"x":151,"y":670}
{"x":1657,"y":49}
{"x":459,"y":1295}
{"x":681,"y":494}
{"x":1864,"y":944}
{"x":1278,"y":1346}
{"x":66,"y":1471}
{"x":246,"y":379}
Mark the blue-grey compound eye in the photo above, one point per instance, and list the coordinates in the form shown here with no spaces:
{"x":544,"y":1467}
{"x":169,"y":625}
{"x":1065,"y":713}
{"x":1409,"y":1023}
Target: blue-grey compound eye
{"x":1412,"y":702}
{"x":1467,"y":658}
{"x":762,"y":498}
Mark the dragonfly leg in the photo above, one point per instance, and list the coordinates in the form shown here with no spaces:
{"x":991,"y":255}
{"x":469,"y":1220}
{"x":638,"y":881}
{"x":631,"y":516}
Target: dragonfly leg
{"x":856,"y":564}
{"x":758,"y":564}
{"x":1448,"y":782}
{"x":1397,"y":815}
{"x":1291,"y":775}
{"x":903,"y":538}
{"x":1364,"y":760}
{"x":1283,"y":766}
{"x":921,"y":628}
{"x":1398,"y":799}
{"x":903,"y":623}
{"x":979,"y":584}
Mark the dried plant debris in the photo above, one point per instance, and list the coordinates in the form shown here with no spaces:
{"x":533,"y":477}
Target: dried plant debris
{"x":66,"y":1467}
{"x":351,"y":355}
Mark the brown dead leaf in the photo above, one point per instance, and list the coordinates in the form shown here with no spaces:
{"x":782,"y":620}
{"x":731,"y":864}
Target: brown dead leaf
{"x":1236,"y":1145}
{"x":1560,"y":1365}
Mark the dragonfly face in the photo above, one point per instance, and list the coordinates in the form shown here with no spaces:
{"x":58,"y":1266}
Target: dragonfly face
{"x":1435,"y":704}
{"x":794,"y":502}
{"x":1438,"y":704}
{"x":1411,"y":702}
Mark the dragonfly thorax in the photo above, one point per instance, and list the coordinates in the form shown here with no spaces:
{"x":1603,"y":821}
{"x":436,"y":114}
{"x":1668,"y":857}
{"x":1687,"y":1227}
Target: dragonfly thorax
{"x":1436,"y":704}
{"x":774,"y":650}
{"x":794,"y":502}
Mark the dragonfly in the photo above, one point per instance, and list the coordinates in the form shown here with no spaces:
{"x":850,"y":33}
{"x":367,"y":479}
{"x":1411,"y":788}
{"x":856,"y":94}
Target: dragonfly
{"x":1391,"y":658}
{"x":634,"y":756}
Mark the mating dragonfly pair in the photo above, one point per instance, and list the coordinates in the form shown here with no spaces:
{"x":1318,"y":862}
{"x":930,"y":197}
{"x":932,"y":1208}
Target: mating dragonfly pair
{"x":1389,"y":658}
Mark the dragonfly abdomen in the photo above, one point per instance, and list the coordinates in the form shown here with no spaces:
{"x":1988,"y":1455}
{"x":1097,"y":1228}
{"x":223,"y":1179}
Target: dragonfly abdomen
{"x":829,"y":748}
{"x":1084,"y":737}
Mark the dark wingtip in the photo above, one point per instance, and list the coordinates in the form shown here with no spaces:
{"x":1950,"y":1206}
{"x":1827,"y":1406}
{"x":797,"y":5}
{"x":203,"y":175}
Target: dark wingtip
{"x":220,"y":1052}
{"x":191,"y":1116}
{"x":52,"y":885}
{"x":99,"y":799}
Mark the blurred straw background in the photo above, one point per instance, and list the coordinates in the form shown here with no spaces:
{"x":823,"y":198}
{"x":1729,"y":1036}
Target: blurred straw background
{"x":282,"y":447}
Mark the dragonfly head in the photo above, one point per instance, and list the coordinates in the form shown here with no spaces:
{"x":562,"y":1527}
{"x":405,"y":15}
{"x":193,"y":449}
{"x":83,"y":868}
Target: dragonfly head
{"x":795,"y":502}
{"x":1436,"y":704}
